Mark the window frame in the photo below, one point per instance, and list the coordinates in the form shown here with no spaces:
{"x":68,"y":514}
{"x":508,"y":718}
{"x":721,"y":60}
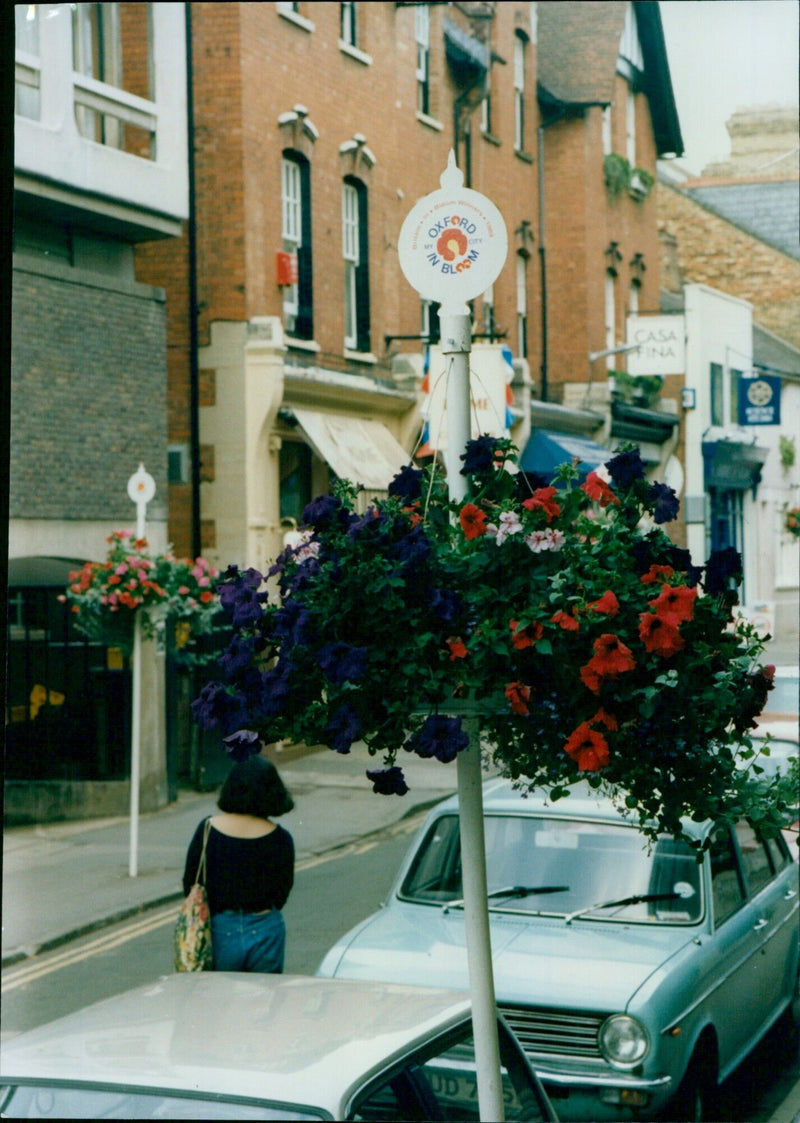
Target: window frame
{"x":355,"y":252}
{"x":520,"y":76}
{"x":348,"y":23}
{"x":298,"y":305}
{"x":422,"y":39}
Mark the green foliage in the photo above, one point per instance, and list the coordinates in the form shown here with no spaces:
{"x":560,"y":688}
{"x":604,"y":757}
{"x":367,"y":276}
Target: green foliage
{"x":563,"y":617}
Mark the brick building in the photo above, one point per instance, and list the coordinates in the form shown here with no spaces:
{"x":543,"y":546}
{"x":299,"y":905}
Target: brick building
{"x":315,"y":129}
{"x":99,"y":166}
{"x":730,"y":254}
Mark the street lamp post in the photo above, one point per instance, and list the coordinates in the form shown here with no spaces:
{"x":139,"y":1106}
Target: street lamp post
{"x":452,"y":247}
{"x":141,"y":489}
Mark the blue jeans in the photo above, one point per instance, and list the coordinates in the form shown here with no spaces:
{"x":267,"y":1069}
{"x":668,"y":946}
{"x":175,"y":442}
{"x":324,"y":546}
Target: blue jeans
{"x":248,"y":941}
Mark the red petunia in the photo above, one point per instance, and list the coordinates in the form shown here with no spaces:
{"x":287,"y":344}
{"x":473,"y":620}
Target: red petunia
{"x":657,"y":573}
{"x":525,"y":637}
{"x":607,"y":604}
{"x":603,"y":717}
{"x":611,"y":656}
{"x":659,"y":635}
{"x":598,"y":490}
{"x":590,"y":678}
{"x":518,"y":695}
{"x":473,"y":521}
{"x":457,"y":647}
{"x":543,"y":500}
{"x":588,"y":748}
{"x":675,"y":603}
{"x":566,"y":621}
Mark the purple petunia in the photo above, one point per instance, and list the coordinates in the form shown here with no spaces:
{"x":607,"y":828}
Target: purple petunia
{"x":625,"y":468}
{"x":324,"y":510}
{"x":666,"y":502}
{"x":407,"y":484}
{"x":388,"y":781}
{"x":343,"y":729}
{"x":242,"y":744}
{"x":723,"y":569}
{"x":413,"y":548}
{"x":237,"y":655}
{"x":439,"y":736}
{"x":217,"y":706}
{"x":240,"y":598}
{"x":479,"y":455}
{"x":342,"y":663}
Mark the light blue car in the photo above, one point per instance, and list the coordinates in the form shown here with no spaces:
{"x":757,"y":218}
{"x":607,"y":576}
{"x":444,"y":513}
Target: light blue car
{"x":635,"y":981}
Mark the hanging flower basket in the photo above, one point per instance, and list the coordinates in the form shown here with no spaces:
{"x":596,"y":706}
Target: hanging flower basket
{"x":105,"y":596}
{"x":589,"y":644}
{"x":792,"y":521}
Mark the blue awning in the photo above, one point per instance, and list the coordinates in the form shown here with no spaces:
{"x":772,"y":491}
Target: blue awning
{"x":546,"y":451}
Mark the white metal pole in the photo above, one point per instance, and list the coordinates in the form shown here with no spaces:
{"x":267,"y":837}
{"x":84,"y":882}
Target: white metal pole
{"x":136,"y":716}
{"x":457,"y":344}
{"x":136,"y":736}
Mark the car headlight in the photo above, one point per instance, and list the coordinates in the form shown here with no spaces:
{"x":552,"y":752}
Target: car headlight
{"x":623,"y":1041}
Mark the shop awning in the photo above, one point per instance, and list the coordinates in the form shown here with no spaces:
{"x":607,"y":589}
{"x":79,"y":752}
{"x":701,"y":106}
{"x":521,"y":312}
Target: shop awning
{"x":356,"y":449}
{"x":547,"y":450}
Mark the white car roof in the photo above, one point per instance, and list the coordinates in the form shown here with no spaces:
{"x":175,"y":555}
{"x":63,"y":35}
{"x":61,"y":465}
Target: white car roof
{"x":501,"y":797}
{"x":289,"y":1038}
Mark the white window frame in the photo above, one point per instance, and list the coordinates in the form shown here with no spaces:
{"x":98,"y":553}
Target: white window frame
{"x":522,"y":305}
{"x":350,"y":253}
{"x":349,"y":24}
{"x":610,"y":314}
{"x":608,"y":138}
{"x":488,"y":310}
{"x":630,"y":126}
{"x":422,"y":37}
{"x":633,"y":300}
{"x":519,"y":93}
{"x":291,"y":227}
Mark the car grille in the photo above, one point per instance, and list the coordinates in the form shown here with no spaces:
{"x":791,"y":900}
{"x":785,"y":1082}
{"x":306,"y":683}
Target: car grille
{"x":555,"y":1032}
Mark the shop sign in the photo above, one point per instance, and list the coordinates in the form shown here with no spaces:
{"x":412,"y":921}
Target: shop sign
{"x":760,"y":399}
{"x":660,"y":343}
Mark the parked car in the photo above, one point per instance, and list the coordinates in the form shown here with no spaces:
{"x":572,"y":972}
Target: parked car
{"x":782,"y":738}
{"x":635,"y":979}
{"x":250,"y":1046}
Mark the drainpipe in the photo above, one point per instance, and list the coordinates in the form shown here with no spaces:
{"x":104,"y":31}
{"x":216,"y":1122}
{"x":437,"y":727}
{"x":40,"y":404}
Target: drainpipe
{"x":542,"y":249}
{"x":194,"y":376}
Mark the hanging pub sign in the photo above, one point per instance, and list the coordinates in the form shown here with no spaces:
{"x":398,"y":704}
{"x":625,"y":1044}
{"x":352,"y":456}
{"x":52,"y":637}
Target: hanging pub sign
{"x":759,"y":399}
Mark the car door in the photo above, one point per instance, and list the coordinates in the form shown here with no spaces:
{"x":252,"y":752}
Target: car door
{"x":773,"y":907}
{"x":734,"y":1004}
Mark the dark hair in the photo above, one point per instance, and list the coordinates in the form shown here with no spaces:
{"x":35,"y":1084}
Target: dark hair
{"x":253,"y":787}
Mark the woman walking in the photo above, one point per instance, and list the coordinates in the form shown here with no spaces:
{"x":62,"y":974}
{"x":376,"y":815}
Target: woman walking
{"x":249,"y":869}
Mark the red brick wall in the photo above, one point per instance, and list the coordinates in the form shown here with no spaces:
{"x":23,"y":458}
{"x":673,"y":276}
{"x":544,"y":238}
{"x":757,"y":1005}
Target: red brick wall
{"x":251,"y":65}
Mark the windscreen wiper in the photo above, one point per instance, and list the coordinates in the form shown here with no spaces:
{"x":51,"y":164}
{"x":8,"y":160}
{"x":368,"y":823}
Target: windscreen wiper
{"x":510,"y":891}
{"x":636,"y":899}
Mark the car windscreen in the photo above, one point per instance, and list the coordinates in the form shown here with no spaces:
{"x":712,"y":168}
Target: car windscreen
{"x":53,"y":1100}
{"x":562,"y":867}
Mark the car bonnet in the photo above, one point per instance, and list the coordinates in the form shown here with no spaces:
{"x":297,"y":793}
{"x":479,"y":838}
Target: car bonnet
{"x":542,"y":962}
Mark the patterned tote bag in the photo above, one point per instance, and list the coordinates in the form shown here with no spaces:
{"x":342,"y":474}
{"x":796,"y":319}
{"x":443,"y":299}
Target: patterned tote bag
{"x":192,"y":937}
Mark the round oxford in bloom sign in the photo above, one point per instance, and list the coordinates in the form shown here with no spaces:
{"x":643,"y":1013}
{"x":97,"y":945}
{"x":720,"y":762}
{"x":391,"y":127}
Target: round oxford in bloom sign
{"x":453,"y":242}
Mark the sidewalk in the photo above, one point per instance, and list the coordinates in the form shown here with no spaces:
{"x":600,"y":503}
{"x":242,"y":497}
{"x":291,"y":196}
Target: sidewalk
{"x":63,"y":879}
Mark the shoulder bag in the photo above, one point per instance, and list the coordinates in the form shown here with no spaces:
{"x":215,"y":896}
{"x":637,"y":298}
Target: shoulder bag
{"x":191,"y":939}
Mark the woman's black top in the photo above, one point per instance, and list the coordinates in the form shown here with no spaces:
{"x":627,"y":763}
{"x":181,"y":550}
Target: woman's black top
{"x":243,"y":874}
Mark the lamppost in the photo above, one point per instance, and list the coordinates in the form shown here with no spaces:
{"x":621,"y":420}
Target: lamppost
{"x":141,"y":489}
{"x":452,"y":247}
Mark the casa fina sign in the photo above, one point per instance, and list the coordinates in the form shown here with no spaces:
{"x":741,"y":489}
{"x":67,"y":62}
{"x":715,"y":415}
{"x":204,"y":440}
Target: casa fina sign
{"x":453,"y":243}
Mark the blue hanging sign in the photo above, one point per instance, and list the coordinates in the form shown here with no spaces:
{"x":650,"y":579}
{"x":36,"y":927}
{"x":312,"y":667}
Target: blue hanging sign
{"x":760,"y":400}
